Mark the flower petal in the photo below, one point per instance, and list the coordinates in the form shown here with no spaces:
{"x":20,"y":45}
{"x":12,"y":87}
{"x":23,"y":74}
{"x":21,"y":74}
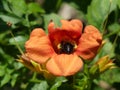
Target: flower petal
{"x":64,"y":65}
{"x":89,"y":42}
{"x":38,"y":32}
{"x":74,"y":26}
{"x":70,"y":31}
{"x":38,"y":47}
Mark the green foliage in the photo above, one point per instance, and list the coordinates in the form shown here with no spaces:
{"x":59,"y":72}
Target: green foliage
{"x":99,"y":10}
{"x":21,"y":16}
{"x":36,"y":9}
{"x":114,"y":28}
{"x":113,"y":74}
{"x":58,"y":83}
{"x":41,"y":86}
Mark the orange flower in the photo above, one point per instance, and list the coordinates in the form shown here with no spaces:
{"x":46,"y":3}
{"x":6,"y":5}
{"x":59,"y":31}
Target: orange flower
{"x":62,"y":50}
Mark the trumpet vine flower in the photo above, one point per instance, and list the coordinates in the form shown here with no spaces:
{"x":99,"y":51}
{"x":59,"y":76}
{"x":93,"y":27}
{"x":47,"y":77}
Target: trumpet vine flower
{"x":64,"y":48}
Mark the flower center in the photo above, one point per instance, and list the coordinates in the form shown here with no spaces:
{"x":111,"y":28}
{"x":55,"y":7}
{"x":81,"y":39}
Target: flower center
{"x":66,"y":47}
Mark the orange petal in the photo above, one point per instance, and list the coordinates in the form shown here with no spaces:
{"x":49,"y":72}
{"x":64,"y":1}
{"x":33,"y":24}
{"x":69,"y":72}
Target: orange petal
{"x":64,"y":65}
{"x":38,"y":32}
{"x":74,"y":26}
{"x":38,"y":47}
{"x":89,"y":42}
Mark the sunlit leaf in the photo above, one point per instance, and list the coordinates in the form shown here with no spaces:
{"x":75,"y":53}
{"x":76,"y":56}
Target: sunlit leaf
{"x":111,"y":75}
{"x":19,"y":39}
{"x":6,"y":6}
{"x":2,"y":70}
{"x":10,"y":19}
{"x":114,"y":29}
{"x":18,"y":7}
{"x":118,"y":2}
{"x":41,"y":86}
{"x":99,"y":10}
{"x":82,"y":81}
{"x":58,"y":82}
{"x":5,"y":79}
{"x":18,"y":65}
{"x":14,"y":79}
{"x":35,"y":8}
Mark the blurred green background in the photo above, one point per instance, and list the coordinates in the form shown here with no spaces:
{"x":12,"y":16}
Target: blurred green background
{"x":21,"y":16}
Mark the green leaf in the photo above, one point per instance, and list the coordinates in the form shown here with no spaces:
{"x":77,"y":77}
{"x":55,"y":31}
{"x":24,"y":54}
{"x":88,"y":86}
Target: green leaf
{"x":10,"y":19}
{"x":82,"y":81}
{"x":14,"y":79}
{"x":99,"y":10}
{"x":35,"y":8}
{"x":18,"y":7}
{"x":58,"y":82}
{"x":111,"y":76}
{"x":114,"y":29}
{"x":52,"y":17}
{"x":118,"y":2}
{"x":19,"y":39}
{"x":105,"y":51}
{"x":5,"y":79}
{"x":41,"y":86}
{"x":18,"y":65}
{"x":9,"y":71}
{"x":6,"y":6}
{"x":2,"y":69}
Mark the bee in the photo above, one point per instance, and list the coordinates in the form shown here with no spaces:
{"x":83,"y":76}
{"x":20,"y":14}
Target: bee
{"x":67,"y":47}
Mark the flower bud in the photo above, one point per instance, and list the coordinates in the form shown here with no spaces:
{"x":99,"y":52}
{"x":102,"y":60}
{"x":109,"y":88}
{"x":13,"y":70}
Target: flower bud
{"x":102,"y":65}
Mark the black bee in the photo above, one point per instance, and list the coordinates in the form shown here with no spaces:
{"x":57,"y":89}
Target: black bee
{"x":67,"y":47}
